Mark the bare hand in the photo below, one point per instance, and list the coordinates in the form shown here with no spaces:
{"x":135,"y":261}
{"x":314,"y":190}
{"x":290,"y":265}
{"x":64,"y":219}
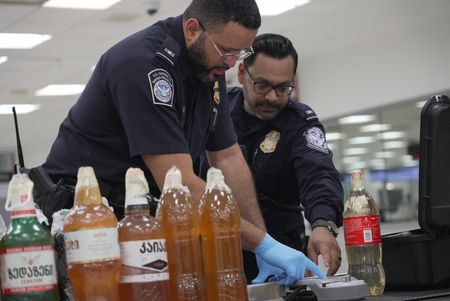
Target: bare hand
{"x":321,"y":242}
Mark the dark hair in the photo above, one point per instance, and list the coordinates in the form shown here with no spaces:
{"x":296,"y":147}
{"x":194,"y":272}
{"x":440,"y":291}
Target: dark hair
{"x":273,"y":45}
{"x":214,"y":13}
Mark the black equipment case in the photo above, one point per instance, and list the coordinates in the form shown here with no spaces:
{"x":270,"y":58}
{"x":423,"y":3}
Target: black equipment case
{"x":420,"y":259}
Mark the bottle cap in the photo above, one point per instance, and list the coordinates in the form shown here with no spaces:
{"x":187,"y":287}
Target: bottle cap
{"x":173,"y":179}
{"x":87,"y":190}
{"x":136,"y":187}
{"x":215,"y":179}
{"x":20,"y":193}
{"x":357,"y":174}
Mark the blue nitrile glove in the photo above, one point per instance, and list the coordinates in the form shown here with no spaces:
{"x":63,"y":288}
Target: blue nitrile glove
{"x":294,"y":263}
{"x":266,"y":270}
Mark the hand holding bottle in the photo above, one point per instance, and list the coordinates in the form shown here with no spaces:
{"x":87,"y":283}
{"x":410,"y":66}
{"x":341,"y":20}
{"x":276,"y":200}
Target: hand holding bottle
{"x":294,"y":263}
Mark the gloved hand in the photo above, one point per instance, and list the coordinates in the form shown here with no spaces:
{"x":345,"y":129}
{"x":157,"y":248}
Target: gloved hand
{"x":266,"y":270}
{"x":292,"y":262}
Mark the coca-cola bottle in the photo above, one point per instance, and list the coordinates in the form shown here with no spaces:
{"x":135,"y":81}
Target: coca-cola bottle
{"x":362,"y":236}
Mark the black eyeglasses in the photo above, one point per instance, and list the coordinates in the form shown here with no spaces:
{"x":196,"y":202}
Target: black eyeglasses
{"x":263,"y":88}
{"x":238,"y":55}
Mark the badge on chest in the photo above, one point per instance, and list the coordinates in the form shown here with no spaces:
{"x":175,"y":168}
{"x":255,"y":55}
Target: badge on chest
{"x":270,"y":142}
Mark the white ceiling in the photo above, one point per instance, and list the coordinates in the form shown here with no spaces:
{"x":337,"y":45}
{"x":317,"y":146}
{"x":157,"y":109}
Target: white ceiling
{"x":81,"y":36}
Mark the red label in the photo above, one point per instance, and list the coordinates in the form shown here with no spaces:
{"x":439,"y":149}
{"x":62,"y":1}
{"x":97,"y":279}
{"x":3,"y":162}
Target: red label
{"x":362,"y":230}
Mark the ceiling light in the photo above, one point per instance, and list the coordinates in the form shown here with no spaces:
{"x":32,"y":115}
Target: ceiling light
{"x":20,"y":108}
{"x":408,"y":161}
{"x":357,"y":165}
{"x":81,"y":4}
{"x":394,"y":144}
{"x":60,"y":90}
{"x":3,"y":59}
{"x":333,"y":136}
{"x":376,"y":127}
{"x":276,"y":7}
{"x":356,"y":119}
{"x":391,"y":135}
{"x":22,"y":40}
{"x":349,"y":160}
{"x":378,"y":164}
{"x":384,"y":155}
{"x":355,"y":151}
{"x":361,"y":140}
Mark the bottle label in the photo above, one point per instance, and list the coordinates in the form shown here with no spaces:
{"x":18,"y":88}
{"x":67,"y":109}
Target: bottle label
{"x":93,"y":245}
{"x":362,"y":230}
{"x":144,"y":261}
{"x":23,"y":213}
{"x":29,"y":269}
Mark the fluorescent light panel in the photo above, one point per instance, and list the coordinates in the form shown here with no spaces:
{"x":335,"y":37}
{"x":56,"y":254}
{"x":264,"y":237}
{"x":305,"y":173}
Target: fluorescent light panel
{"x":361,"y":140}
{"x":60,"y":90}
{"x":3,"y":59}
{"x":355,"y":151}
{"x":391,"y":135}
{"x":333,"y":136}
{"x":394,"y":144}
{"x":356,"y":119}
{"x":376,"y":127}
{"x":81,"y":4}
{"x":22,"y":40}
{"x":276,"y":7}
{"x":20,"y":108}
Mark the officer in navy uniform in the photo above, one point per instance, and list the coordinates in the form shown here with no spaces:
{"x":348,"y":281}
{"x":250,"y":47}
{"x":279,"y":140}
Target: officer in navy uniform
{"x":286,"y":150}
{"x":156,"y":99}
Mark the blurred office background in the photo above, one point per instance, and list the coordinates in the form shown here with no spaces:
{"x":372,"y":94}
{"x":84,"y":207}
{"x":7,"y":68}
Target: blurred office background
{"x":366,"y":67}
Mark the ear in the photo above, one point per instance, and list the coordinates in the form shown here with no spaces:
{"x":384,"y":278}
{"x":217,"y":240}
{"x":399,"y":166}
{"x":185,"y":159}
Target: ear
{"x":191,"y":30}
{"x":241,"y":72}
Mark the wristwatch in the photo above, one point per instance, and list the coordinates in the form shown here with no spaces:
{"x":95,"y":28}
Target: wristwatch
{"x":330,"y":225}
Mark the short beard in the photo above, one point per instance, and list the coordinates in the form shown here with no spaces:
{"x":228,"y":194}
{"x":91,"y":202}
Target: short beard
{"x":196,"y":53}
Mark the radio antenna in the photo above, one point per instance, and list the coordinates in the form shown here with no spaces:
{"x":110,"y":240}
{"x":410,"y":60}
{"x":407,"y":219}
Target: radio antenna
{"x":19,"y":145}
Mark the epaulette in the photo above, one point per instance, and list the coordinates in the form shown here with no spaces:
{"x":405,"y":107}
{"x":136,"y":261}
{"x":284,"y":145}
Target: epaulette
{"x":304,"y":110}
{"x":168,"y":53}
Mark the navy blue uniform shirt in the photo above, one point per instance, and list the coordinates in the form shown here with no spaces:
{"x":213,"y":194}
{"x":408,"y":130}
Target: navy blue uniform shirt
{"x":142,"y":98}
{"x":290,"y":163}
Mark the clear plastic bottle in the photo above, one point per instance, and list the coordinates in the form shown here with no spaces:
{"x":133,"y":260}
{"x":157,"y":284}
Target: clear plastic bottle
{"x":144,"y":271}
{"x":221,"y":242}
{"x":178,"y":214}
{"x":91,"y":241}
{"x":28,"y":269}
{"x":363,"y":237}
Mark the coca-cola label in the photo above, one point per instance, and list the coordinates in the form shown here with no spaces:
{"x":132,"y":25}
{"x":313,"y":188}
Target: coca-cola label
{"x":144,"y":261}
{"x":23,"y":213}
{"x":93,"y":245}
{"x":28,"y":269}
{"x":362,"y":230}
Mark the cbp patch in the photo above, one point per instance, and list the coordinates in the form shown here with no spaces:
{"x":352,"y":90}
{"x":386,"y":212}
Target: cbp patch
{"x":316,"y":139}
{"x":161,"y":86}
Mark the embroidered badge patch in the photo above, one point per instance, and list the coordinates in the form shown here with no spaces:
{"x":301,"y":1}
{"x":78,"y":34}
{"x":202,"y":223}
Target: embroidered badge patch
{"x":270,"y":142}
{"x":316,"y":139}
{"x":161,"y":86}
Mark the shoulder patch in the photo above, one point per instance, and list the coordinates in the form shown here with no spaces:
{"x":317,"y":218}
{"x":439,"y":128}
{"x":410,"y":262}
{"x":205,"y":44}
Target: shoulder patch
{"x":316,"y":139}
{"x":161,"y":86}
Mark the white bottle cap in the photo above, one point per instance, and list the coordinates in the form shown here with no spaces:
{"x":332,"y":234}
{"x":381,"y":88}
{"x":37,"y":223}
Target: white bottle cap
{"x":215,"y":179}
{"x":136,"y":187}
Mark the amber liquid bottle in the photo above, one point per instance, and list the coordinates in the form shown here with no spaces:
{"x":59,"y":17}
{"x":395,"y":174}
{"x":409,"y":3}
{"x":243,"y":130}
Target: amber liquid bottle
{"x":362,"y":236}
{"x":27,"y":258}
{"x":221,"y":242}
{"x":144,"y":271}
{"x":92,"y":246}
{"x":178,"y":215}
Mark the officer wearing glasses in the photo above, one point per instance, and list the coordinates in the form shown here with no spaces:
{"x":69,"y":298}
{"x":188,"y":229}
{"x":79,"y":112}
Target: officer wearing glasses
{"x":154,"y":100}
{"x":286,"y":150}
